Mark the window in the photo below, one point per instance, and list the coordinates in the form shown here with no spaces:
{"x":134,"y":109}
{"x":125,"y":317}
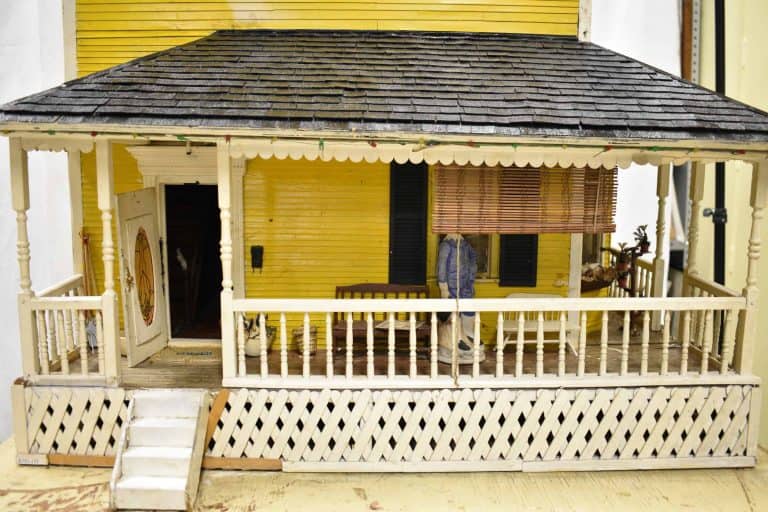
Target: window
{"x":590,"y":248}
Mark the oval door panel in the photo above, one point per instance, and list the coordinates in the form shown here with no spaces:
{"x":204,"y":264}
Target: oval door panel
{"x":144,"y":276}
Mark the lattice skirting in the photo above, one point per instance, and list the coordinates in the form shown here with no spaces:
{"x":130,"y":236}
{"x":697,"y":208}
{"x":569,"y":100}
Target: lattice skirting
{"x":615,"y":428}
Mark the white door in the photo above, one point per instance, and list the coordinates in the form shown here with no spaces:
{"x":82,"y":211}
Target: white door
{"x":140,"y":274}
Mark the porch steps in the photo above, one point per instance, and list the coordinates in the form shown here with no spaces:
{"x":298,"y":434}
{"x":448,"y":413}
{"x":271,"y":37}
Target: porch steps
{"x":160,"y":451}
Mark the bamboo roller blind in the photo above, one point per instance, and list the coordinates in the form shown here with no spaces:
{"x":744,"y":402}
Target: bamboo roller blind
{"x":514,"y":200}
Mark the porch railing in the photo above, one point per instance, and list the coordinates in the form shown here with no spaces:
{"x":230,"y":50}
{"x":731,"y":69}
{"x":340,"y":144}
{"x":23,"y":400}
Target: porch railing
{"x":623,"y":349}
{"x":66,"y":330}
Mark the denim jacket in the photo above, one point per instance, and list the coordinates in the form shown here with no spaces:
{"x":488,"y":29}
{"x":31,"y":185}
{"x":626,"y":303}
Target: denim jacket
{"x":446,"y":268}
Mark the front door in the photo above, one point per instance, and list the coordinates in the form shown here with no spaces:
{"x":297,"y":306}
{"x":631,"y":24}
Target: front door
{"x":141,"y":275}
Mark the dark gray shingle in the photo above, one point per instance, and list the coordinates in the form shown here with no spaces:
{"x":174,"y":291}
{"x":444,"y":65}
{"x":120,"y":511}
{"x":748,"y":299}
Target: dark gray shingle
{"x":411,"y":81}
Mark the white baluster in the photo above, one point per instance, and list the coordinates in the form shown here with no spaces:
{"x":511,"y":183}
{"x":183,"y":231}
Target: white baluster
{"x":328,"y":345}
{"x":729,"y":339}
{"x":263,"y":345}
{"x":665,"y":344}
{"x":100,"y":341}
{"x":500,"y":345}
{"x":61,"y":343}
{"x":520,"y":345}
{"x":433,"y":346}
{"x":686,"y":341}
{"x":476,"y":347}
{"x":604,"y":344}
{"x":412,"y":343}
{"x":582,"y":345}
{"x":350,"y":339}
{"x":540,"y":344}
{"x":51,"y":335}
{"x":83,"y":342}
{"x":646,"y":340}
{"x":562,"y":340}
{"x":240,"y":345}
{"x":284,"y":345}
{"x":627,"y":327}
{"x":306,"y":353}
{"x":391,"y":345}
{"x":707,"y":344}
{"x":369,"y":343}
{"x":42,"y":341}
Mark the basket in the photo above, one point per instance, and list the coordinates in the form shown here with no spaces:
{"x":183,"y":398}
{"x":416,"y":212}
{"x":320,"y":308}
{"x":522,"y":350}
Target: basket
{"x":298,"y":339}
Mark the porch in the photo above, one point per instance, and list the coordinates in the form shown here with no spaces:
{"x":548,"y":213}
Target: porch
{"x":668,"y":375}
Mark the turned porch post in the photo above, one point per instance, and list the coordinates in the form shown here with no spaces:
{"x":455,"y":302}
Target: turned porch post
{"x":658,"y":287}
{"x":747,"y":332}
{"x":696,"y":194}
{"x":224,"y":178}
{"x":106,"y":203}
{"x":20,"y":201}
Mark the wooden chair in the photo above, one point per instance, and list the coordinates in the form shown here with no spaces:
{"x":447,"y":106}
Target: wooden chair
{"x":364,"y":291}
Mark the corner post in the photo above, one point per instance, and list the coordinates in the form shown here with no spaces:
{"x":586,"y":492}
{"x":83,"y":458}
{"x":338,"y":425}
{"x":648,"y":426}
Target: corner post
{"x":658,"y":287}
{"x":696,"y":194}
{"x":105,"y":190}
{"x":224,"y":180}
{"x":30,"y":360}
{"x":747,"y":330}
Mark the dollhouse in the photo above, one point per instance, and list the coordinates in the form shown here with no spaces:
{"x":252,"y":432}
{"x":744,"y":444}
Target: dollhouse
{"x":226,"y":187}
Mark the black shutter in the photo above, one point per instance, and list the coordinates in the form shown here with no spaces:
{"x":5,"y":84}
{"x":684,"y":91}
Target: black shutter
{"x":518,"y":260}
{"x":408,"y":224}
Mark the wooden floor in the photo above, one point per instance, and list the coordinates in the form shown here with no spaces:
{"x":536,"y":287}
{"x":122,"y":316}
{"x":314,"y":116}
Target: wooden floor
{"x":199,"y":365}
{"x":71,"y":489}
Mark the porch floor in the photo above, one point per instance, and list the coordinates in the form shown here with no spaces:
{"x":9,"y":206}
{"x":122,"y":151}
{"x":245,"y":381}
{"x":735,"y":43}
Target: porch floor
{"x":199,"y":365}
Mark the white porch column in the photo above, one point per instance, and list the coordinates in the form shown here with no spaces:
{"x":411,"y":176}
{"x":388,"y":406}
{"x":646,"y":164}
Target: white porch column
{"x":105,"y":190}
{"x":659,"y":285}
{"x":224,"y":179}
{"x":696,"y":194}
{"x":76,"y":208}
{"x":20,"y":201}
{"x":747,"y":333}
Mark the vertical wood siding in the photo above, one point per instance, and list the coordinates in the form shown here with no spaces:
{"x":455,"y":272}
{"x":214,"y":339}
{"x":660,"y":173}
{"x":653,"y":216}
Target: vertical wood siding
{"x":112,"y":32}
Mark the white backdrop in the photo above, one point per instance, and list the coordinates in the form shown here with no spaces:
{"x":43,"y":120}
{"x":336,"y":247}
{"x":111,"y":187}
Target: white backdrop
{"x":648,"y":31}
{"x":31,"y":59}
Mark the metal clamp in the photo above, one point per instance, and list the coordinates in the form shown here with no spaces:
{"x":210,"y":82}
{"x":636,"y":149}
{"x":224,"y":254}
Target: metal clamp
{"x":719,"y":215}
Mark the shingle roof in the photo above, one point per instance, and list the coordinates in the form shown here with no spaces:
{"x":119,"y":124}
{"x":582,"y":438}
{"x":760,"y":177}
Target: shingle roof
{"x":424,"y":82}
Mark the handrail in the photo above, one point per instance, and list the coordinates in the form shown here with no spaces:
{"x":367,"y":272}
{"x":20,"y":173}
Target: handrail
{"x":65,"y":303}
{"x":69,"y":284}
{"x":716,"y":289}
{"x":504,"y":304}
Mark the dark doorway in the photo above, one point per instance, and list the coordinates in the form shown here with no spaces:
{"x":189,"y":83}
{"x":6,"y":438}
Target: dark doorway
{"x":194,"y":268}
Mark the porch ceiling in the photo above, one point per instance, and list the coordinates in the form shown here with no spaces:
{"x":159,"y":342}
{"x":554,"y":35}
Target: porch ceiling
{"x":436,"y":84}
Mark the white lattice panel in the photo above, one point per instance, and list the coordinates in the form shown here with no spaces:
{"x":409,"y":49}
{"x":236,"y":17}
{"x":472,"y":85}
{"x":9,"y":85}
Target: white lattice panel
{"x":74,"y":421}
{"x":484,"y":425}
{"x":479,"y":427}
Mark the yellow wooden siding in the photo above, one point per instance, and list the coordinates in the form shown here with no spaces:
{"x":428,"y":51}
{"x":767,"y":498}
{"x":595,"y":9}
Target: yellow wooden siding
{"x":127,"y":178}
{"x":109,"y":33}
